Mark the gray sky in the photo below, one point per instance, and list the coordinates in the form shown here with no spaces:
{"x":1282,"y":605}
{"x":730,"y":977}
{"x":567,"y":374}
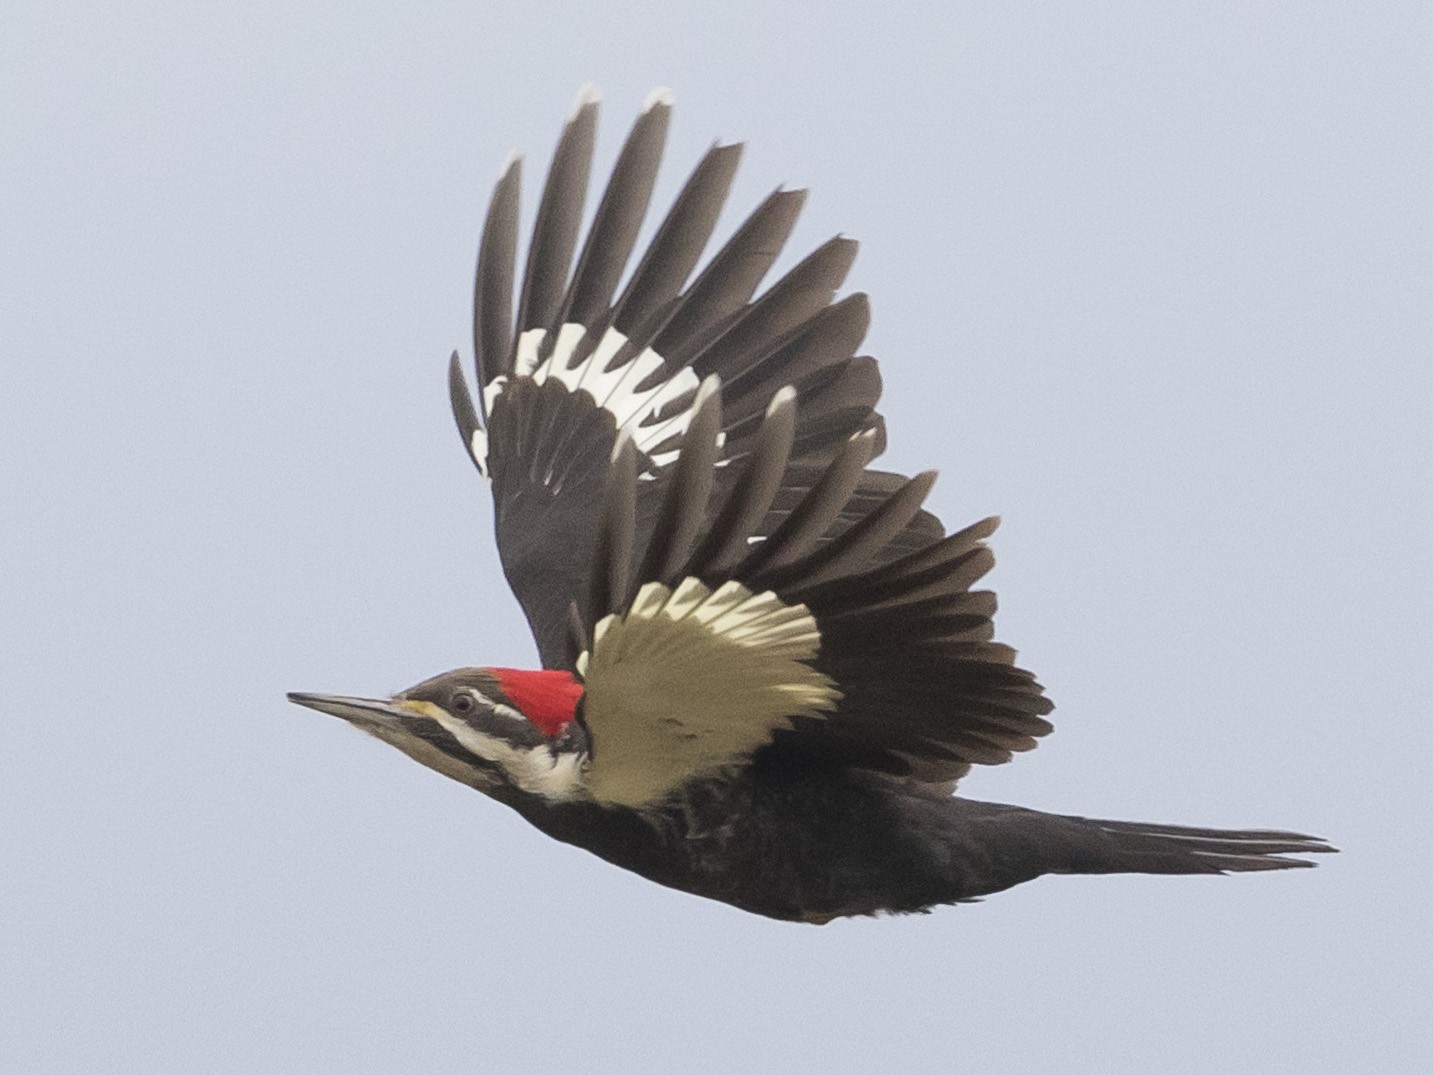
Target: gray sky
{"x":1150,"y":280}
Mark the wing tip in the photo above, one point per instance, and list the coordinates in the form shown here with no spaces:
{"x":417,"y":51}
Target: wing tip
{"x":512,"y":162}
{"x":659,"y":97}
{"x":588,"y":96}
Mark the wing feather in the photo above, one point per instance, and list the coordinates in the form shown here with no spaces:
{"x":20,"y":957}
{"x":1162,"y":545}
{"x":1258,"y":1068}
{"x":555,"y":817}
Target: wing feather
{"x":665,"y":679}
{"x":571,"y":369}
{"x":612,"y":554}
{"x":493,"y":284}
{"x":798,"y":296}
{"x":559,"y":216}
{"x":678,"y":245}
{"x":618,"y":221}
{"x":813,"y":516}
{"x":750,"y":502}
{"x":799,"y":649}
{"x":730,"y":279}
{"x":679,"y":524}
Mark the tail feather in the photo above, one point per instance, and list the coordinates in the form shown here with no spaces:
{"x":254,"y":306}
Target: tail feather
{"x":1144,"y":848}
{"x":992,"y":847}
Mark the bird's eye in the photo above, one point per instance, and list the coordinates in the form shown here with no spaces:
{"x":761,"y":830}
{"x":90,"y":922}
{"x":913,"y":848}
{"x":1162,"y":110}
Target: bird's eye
{"x":463,"y":703}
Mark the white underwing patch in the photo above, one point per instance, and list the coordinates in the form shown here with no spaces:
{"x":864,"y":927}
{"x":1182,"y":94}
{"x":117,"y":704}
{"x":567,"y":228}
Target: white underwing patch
{"x":479,"y":447}
{"x":637,"y":412}
{"x":690,"y":680}
{"x":731,"y":613}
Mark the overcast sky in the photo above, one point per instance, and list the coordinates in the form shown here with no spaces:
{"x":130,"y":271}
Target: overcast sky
{"x":1153,"y":281}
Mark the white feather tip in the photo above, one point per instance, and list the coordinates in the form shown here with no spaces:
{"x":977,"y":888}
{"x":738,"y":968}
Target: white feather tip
{"x":623,"y":436}
{"x":784,"y":395}
{"x":710,"y":387}
{"x":660,"y":97}
{"x":589,"y":94}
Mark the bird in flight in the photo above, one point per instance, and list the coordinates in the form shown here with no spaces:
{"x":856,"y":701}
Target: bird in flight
{"x":764,"y":666}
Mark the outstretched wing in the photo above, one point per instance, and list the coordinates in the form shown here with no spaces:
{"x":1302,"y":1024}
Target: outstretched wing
{"x":715,"y":645}
{"x":584,"y":361}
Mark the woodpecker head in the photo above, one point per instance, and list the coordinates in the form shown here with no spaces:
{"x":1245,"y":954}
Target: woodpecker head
{"x":503,"y":731}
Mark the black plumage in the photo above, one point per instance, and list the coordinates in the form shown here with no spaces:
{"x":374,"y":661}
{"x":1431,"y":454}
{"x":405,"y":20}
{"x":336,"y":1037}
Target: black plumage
{"x":923,"y":689}
{"x":766,"y":664}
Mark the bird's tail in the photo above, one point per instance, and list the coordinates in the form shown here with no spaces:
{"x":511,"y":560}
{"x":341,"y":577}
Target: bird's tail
{"x":1100,"y":846}
{"x":997,"y":846}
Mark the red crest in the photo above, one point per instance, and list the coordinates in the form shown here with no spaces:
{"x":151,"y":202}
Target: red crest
{"x":547,"y":698}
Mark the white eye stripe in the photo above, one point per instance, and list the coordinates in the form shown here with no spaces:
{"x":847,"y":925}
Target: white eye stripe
{"x":496,"y":707}
{"x":509,"y":712}
{"x":536,"y":769}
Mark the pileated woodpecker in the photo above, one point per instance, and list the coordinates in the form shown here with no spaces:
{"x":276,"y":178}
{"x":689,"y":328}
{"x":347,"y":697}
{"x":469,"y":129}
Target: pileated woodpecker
{"x":764,"y":665}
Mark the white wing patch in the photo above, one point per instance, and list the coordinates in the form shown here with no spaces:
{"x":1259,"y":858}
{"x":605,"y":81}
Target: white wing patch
{"x":637,"y":411}
{"x":732,"y":613}
{"x":691,"y":680}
